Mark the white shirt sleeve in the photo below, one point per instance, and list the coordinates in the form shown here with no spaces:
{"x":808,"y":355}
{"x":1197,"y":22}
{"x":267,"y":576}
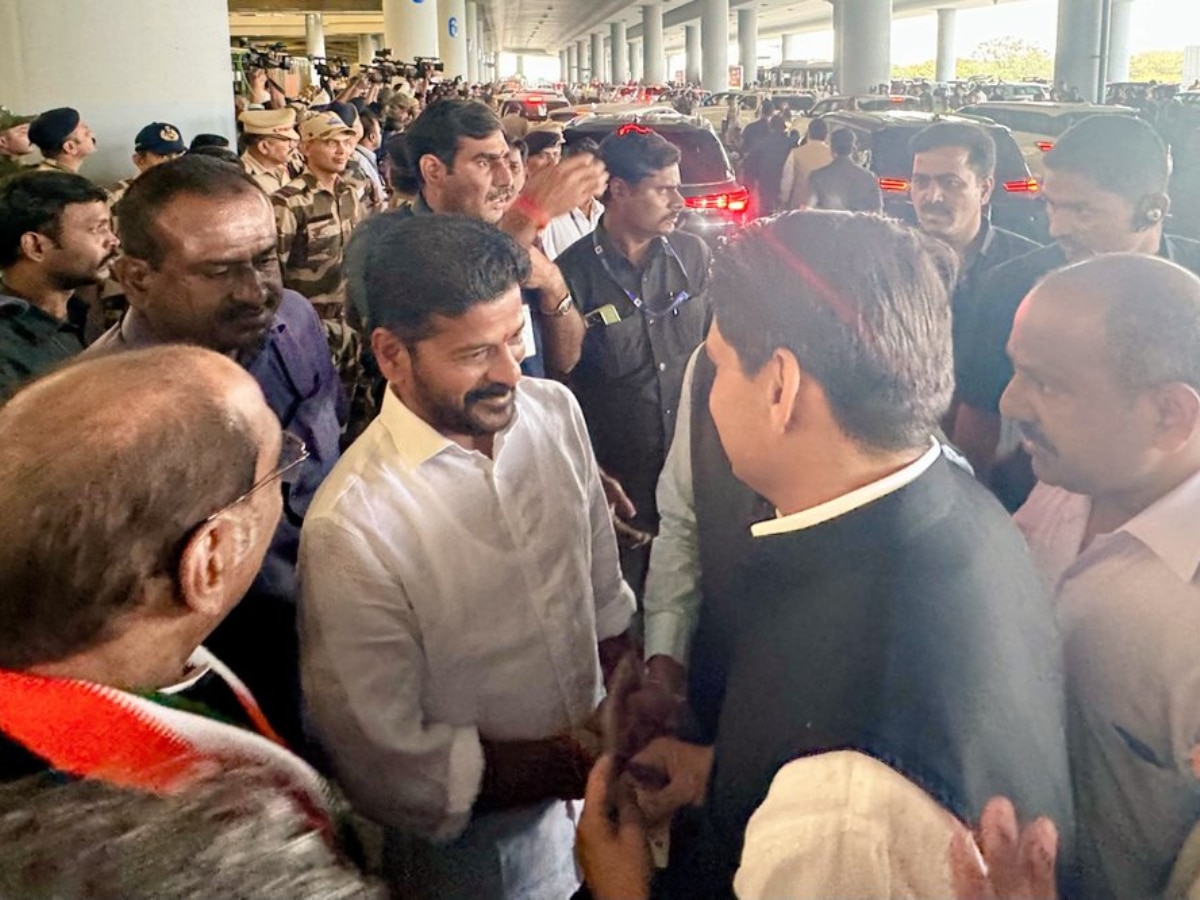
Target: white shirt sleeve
{"x":789,"y":178}
{"x":672,"y":602}
{"x":363,"y":673}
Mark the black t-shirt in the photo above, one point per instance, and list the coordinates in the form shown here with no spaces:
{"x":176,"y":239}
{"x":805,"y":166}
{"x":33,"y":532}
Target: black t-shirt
{"x":985,"y":367}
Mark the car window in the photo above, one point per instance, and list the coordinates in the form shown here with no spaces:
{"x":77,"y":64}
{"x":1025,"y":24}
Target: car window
{"x":702,"y":159}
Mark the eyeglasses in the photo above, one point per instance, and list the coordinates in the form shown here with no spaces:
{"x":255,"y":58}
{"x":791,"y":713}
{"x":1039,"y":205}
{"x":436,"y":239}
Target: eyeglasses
{"x":292,"y":452}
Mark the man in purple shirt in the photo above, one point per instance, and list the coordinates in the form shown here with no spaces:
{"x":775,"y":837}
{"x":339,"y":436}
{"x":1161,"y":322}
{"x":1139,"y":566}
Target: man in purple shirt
{"x":200,"y":266}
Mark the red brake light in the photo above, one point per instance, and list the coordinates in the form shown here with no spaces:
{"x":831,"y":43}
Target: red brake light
{"x":896,"y":99}
{"x":1044,"y":146}
{"x":894,"y":185}
{"x":1024,"y":186}
{"x":735,"y":201}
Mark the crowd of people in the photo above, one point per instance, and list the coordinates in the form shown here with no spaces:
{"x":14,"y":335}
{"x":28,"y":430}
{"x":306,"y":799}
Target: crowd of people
{"x":382,"y":488}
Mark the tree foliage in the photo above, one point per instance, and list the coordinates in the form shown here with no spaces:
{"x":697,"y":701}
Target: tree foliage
{"x":1165,"y":66}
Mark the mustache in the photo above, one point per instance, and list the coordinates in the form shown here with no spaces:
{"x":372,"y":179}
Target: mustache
{"x":488,"y":392}
{"x":1034,"y":435}
{"x":934,"y":208}
{"x":501,"y":194}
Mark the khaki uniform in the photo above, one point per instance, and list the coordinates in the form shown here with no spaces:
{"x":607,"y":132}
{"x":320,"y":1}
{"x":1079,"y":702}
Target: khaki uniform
{"x":270,"y":180}
{"x":116,"y":193}
{"x":314,"y":226}
{"x":369,"y":196}
{"x":10,"y":165}
{"x":50,"y":165}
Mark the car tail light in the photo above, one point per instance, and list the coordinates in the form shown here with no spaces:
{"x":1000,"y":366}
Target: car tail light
{"x":1044,"y":146}
{"x":894,"y":185}
{"x":1024,"y":186}
{"x":736,"y":201}
{"x":897,"y":100}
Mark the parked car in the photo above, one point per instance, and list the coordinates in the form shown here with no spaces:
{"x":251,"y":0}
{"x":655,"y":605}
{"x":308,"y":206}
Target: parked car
{"x":716,"y":202}
{"x":534,"y":105}
{"x":884,"y":143}
{"x":862,"y":102}
{"x":1036,"y":126}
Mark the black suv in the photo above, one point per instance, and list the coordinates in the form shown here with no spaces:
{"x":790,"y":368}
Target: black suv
{"x":716,"y":203}
{"x":883,"y":140}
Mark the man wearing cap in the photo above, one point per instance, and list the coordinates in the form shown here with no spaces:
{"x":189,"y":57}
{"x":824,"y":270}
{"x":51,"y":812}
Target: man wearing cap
{"x":64,"y":139}
{"x":154,"y":145}
{"x":14,"y":141}
{"x":370,"y":193}
{"x":315,"y":214}
{"x":270,"y":136}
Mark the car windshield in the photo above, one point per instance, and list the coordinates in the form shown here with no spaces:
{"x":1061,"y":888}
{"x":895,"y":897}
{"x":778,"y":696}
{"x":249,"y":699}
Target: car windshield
{"x":702,"y":159}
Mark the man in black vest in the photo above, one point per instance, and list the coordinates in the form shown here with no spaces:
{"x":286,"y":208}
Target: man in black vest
{"x":887,"y":642}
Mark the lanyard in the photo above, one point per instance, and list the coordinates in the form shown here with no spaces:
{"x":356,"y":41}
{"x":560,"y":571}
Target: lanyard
{"x":673,"y":301}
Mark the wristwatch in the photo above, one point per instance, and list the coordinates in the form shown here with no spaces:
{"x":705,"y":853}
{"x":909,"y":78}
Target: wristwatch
{"x":561,"y":309}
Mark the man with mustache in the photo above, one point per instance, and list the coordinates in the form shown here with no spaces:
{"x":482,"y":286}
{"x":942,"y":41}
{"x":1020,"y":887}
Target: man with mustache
{"x":641,"y":284}
{"x":461,"y":587}
{"x":55,"y":237}
{"x":200,"y":265}
{"x":1105,"y":190}
{"x":1106,"y":397}
{"x":953,"y":176}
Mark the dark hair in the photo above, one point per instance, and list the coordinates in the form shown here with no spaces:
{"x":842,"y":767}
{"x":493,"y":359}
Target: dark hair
{"x":587,"y":145}
{"x":818,"y":130}
{"x":437,"y":130}
{"x":521,"y":146}
{"x":635,"y":154}
{"x":768,"y":106}
{"x":776,"y":123}
{"x":208,"y":140}
{"x":980,"y":147}
{"x":369,"y":120}
{"x":34,"y":201}
{"x":842,"y":142}
{"x":1120,"y":154}
{"x":193,"y":173}
{"x":144,"y":451}
{"x":222,"y":153}
{"x":401,"y":176}
{"x":861,"y":301}
{"x":412,"y":268}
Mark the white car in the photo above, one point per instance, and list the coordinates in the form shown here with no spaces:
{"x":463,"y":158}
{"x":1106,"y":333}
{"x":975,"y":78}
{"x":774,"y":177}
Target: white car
{"x":1036,"y":125}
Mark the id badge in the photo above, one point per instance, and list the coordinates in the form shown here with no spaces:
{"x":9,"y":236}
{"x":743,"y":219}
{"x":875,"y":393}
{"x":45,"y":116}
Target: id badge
{"x":527,"y":332}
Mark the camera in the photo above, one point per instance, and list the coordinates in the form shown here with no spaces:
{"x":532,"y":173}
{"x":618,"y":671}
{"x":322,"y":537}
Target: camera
{"x":273,"y":56}
{"x":331,"y":67}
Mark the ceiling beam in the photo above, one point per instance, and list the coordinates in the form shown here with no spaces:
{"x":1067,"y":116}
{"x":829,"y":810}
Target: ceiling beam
{"x":305,"y":6}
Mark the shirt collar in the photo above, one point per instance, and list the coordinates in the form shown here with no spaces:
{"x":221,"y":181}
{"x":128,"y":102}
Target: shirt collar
{"x":418,"y":206}
{"x":847,"y":503}
{"x":416,"y":440}
{"x":1169,"y":528}
{"x":614,"y":252}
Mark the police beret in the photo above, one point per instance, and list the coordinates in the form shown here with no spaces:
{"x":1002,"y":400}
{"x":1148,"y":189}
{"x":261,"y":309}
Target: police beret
{"x":160,"y":139}
{"x":274,"y":122}
{"x":52,"y":127}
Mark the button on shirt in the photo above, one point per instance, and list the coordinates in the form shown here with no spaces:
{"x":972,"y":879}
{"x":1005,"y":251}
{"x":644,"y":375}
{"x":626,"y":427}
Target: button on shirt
{"x":32,"y":342}
{"x":1129,"y":610}
{"x":296,"y":376}
{"x":630,"y":373}
{"x":448,"y":597}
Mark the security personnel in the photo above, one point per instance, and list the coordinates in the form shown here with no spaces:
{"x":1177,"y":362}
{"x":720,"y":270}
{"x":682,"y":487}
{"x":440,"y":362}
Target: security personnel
{"x":14,"y":141}
{"x":64,"y":139}
{"x":641,"y":285}
{"x":155,"y":144}
{"x":271,"y":138}
{"x":315,"y":214}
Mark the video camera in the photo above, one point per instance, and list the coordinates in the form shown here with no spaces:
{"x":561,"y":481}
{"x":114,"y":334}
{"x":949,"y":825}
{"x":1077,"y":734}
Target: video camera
{"x":273,"y":56}
{"x":331,"y":67}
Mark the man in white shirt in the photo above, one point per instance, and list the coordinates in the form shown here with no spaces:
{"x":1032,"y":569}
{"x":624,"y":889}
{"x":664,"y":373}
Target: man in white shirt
{"x":566,"y":229}
{"x":1106,"y":395}
{"x":813,"y":154}
{"x":459,"y":571}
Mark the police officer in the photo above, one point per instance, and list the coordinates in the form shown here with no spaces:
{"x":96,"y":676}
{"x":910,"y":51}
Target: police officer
{"x":270,"y":137}
{"x":315,"y":214}
{"x":64,"y":139}
{"x":14,"y":141}
{"x":155,"y":144}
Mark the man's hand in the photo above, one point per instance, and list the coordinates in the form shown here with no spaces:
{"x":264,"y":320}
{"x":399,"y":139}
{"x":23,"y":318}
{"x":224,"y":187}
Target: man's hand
{"x":1016,"y":863}
{"x":670,"y":774}
{"x":278,"y":98}
{"x":668,"y":673}
{"x":257,"y":79}
{"x":519,"y":773}
{"x":613,"y":856}
{"x":546,"y":279}
{"x":622,"y":510}
{"x":551,"y":192}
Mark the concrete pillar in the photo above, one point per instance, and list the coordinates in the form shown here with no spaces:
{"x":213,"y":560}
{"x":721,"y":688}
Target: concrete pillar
{"x":572,"y":75}
{"x":634,"y":52}
{"x":946,"y":59}
{"x":596,"y":57}
{"x":366,"y":48}
{"x":866,"y":44}
{"x":480,"y":47}
{"x":839,"y":54}
{"x":119,"y":64}
{"x":411,"y":28}
{"x":581,"y":74}
{"x":654,"y":61}
{"x":714,"y":40}
{"x":691,"y":42}
{"x":620,"y":53}
{"x":472,"y":41}
{"x":314,"y":35}
{"x":1118,"y":40}
{"x":1077,"y":58}
{"x":791,"y":46}
{"x":605,"y":60}
{"x":747,"y":27}
{"x":452,"y":37}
